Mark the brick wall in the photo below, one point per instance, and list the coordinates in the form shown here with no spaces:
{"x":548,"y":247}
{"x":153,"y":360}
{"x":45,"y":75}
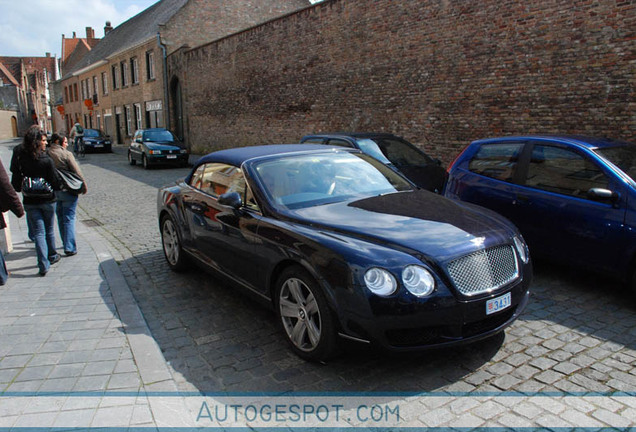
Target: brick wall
{"x":440,"y":73}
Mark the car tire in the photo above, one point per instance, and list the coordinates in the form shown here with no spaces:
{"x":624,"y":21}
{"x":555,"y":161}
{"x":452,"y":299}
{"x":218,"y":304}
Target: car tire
{"x":131,"y":160}
{"x":304,"y":315}
{"x":144,"y":161}
{"x":171,"y":245}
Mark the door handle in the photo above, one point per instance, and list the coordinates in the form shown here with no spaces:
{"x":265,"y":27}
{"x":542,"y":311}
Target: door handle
{"x":521,"y":199}
{"x":197,"y":208}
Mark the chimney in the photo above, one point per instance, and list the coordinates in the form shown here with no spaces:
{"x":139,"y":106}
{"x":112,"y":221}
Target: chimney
{"x":107,"y":28}
{"x":74,"y":36}
{"x":90,"y":33}
{"x":48,"y":54}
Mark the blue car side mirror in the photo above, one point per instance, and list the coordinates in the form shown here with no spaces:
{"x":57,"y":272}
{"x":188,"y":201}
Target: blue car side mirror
{"x":604,"y":195}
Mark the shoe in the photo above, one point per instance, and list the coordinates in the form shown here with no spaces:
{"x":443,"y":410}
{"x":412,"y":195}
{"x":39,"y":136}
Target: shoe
{"x":43,"y":272}
{"x":55,"y":258}
{"x":69,"y":253}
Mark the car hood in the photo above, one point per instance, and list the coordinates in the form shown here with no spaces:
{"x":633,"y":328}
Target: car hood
{"x":162,"y":146}
{"x":419,"y":222}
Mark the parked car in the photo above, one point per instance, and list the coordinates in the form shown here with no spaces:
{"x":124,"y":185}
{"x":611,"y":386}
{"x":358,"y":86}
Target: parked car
{"x":95,"y":140}
{"x":572,"y":197}
{"x":340,"y":245}
{"x":396,"y":152}
{"x":157,"y":146}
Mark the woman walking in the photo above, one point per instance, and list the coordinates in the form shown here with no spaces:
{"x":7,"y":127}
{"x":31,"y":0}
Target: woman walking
{"x":9,"y":200}
{"x":30,"y":160}
{"x":66,"y":200}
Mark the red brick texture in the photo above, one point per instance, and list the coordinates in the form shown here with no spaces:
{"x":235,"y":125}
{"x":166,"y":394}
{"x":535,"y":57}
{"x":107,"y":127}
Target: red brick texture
{"x":440,"y":73}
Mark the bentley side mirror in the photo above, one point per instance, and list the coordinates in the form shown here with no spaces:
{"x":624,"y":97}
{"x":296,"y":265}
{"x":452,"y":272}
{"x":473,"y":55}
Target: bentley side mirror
{"x":231,"y":199}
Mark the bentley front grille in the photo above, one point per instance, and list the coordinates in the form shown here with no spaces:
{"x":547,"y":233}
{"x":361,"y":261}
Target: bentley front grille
{"x":484,"y":270}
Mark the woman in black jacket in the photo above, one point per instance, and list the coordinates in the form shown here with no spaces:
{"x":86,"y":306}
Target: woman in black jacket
{"x":30,"y":160}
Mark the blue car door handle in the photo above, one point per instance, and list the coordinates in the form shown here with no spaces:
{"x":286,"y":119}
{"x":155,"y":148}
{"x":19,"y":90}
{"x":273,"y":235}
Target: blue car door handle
{"x":521,"y":199}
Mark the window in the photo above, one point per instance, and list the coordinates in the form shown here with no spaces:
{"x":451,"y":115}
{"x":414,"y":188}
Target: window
{"x":128,"y":120}
{"x":104,"y":83}
{"x":498,"y":161}
{"x":314,"y":141}
{"x":216,"y":179}
{"x":563,"y":171}
{"x":339,"y":143}
{"x":75,"y":95}
{"x":124,"y":74}
{"x":150,"y":65}
{"x":134,"y":70}
{"x":95,"y":86}
{"x":83,"y":83}
{"x":66,"y":95}
{"x":138,"y":124}
{"x":115,"y":70}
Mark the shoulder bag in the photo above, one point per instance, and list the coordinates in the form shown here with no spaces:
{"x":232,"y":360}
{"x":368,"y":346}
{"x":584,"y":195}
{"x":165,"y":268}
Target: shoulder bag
{"x":35,"y":187}
{"x":72,"y":182}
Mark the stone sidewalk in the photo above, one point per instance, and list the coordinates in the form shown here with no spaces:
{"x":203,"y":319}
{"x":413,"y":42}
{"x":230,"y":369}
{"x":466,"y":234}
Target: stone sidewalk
{"x":75,"y":351}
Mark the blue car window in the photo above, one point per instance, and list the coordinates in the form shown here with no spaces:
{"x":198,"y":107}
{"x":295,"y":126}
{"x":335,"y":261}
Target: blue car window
{"x":562,"y":171}
{"x":498,"y":160}
{"x":623,"y":157}
{"x":165,"y":136}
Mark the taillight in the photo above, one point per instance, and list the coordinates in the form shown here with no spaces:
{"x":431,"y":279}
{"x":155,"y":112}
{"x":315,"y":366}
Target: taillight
{"x":456,"y":158}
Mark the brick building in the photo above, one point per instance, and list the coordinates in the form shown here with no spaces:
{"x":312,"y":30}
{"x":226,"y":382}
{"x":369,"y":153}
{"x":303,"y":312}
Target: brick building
{"x":119,"y":85}
{"x":24,"y":88}
{"x":439,"y":73}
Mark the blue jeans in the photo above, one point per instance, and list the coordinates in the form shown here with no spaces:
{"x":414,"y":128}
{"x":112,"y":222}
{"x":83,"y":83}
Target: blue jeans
{"x":4,"y":275}
{"x":41,"y":218}
{"x":66,"y":206}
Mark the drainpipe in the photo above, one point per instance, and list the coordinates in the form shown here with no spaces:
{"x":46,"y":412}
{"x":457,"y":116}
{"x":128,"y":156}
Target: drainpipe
{"x":165,"y":80}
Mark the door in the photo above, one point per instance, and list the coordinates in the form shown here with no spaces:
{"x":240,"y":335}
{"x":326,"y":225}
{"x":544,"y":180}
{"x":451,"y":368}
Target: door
{"x":489,"y":178}
{"x":558,"y":216}
{"x":224,"y":237}
{"x":136,"y":149}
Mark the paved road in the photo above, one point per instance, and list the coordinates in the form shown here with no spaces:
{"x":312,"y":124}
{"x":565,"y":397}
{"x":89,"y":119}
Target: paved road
{"x":578,"y":335}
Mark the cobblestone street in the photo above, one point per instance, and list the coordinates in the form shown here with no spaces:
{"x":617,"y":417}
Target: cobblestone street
{"x":576,"y":338}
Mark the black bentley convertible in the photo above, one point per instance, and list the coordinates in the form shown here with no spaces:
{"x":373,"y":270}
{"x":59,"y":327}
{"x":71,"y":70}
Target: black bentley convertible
{"x":342,"y":246}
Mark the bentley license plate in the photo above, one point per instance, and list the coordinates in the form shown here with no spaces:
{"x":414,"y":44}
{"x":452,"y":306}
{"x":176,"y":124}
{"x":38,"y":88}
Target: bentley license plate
{"x":498,"y":304}
{"x":172,"y":156}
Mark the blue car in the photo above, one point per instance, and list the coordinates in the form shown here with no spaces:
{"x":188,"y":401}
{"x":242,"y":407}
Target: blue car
{"x":343,"y":247}
{"x":157,"y":146}
{"x":572,"y":197}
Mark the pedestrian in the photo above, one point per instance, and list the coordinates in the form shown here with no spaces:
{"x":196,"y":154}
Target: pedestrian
{"x":9,"y":200}
{"x":66,"y":200}
{"x":30,"y":160}
{"x":77,"y":134}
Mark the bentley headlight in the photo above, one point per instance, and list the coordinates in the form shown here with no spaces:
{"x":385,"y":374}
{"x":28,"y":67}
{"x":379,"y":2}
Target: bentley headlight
{"x":419,"y":281}
{"x":380,"y":281}
{"x":522,"y":249}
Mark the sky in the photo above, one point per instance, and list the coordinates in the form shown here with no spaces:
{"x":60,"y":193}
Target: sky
{"x":31,"y":28}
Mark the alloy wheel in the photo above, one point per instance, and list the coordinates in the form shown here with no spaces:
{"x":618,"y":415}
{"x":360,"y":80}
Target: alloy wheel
{"x":300,"y":314}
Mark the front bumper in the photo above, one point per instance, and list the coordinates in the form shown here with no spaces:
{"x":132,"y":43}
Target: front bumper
{"x":168,"y":159}
{"x":440,"y":321}
{"x":97,"y":146}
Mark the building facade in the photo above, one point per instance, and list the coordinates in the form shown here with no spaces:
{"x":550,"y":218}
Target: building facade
{"x":119,"y":86}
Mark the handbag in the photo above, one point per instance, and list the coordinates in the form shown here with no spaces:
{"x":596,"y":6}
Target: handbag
{"x":72,"y":182}
{"x":36,"y":187}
